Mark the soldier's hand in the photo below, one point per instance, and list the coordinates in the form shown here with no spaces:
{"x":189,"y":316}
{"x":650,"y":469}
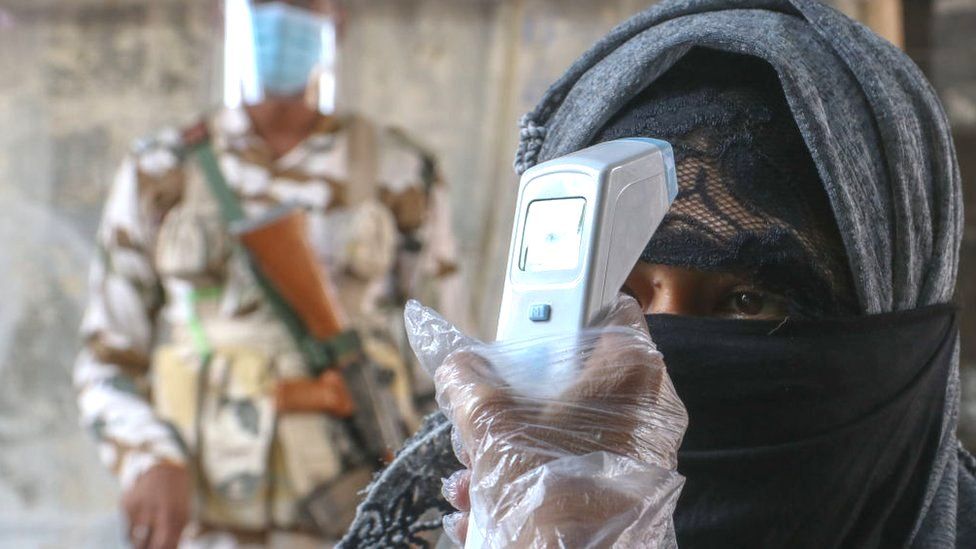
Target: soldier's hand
{"x":158,"y":507}
{"x":328,"y":393}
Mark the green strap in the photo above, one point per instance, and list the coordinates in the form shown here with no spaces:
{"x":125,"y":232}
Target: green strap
{"x":319,"y":355}
{"x":197,"y":333}
{"x":230,"y":207}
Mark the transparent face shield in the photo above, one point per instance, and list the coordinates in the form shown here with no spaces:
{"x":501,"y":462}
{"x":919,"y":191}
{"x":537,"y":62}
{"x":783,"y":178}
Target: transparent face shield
{"x":280,"y":50}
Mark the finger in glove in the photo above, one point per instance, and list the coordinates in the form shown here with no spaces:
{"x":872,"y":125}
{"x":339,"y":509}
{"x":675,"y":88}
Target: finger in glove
{"x":455,"y":489}
{"x":456,"y":527}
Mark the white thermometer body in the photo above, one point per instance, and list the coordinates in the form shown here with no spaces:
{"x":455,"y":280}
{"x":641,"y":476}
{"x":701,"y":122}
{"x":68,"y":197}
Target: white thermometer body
{"x":581,"y":223}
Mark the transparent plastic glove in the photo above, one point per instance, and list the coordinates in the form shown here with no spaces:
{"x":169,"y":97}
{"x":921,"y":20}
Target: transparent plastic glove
{"x":569,"y":441}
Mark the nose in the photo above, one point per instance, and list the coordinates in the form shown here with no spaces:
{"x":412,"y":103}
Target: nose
{"x":663,"y":289}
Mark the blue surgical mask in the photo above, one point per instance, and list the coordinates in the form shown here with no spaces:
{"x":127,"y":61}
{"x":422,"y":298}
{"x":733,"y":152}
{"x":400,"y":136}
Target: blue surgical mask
{"x":289,"y":42}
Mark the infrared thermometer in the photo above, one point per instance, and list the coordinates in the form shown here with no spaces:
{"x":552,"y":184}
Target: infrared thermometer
{"x":581,"y":223}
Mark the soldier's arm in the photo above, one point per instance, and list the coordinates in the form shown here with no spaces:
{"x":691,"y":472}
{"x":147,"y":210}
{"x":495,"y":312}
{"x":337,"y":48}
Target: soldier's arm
{"x":371,"y":249}
{"x":442,"y":255}
{"x":441,"y":245}
{"x":418,"y":195}
{"x":111,"y":371}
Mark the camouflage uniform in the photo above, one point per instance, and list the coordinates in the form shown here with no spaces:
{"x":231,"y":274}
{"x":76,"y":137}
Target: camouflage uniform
{"x":168,"y":287}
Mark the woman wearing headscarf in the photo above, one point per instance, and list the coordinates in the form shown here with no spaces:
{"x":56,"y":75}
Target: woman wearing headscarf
{"x":798,"y":288}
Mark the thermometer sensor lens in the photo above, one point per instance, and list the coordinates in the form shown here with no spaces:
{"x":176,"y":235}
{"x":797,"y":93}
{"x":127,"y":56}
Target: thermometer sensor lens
{"x":553,"y":235}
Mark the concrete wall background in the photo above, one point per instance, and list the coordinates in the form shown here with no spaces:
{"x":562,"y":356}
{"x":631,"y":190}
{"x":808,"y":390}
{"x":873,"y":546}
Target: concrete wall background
{"x":79,"y":79}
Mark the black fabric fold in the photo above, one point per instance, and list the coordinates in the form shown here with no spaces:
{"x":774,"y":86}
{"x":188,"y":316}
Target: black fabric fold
{"x":807,"y":433}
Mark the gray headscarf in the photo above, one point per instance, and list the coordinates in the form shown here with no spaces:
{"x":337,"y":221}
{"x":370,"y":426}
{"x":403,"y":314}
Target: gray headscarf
{"x":882,"y":146}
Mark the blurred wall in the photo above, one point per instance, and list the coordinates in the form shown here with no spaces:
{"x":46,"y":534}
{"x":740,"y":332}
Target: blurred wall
{"x":79,"y":79}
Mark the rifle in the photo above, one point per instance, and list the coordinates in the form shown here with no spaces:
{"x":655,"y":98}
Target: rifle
{"x":345,"y":382}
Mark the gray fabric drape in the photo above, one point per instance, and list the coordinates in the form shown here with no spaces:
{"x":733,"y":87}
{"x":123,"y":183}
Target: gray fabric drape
{"x":875,"y":127}
{"x":879,"y":138}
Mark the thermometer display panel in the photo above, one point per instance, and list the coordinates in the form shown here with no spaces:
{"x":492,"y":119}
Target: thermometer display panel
{"x":552,"y":238}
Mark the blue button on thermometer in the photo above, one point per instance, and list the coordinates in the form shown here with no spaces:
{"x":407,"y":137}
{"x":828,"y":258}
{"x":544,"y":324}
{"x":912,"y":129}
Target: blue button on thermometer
{"x":540,"y":313}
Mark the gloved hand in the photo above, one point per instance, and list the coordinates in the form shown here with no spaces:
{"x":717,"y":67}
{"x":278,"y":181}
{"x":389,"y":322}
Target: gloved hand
{"x":569,"y":441}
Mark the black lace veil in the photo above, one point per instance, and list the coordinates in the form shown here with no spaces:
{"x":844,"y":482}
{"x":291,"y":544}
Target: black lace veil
{"x":750,"y":198}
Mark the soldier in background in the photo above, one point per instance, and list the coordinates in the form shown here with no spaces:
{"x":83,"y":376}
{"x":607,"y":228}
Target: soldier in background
{"x":210,"y":447}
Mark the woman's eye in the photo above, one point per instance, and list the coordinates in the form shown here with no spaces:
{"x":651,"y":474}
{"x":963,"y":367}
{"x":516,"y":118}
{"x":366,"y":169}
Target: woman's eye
{"x":749,"y":303}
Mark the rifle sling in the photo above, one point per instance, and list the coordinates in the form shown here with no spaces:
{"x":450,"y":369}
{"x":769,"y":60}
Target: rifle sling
{"x":319,"y":355}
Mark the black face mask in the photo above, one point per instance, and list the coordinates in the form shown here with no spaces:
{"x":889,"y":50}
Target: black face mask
{"x":811,"y":433}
